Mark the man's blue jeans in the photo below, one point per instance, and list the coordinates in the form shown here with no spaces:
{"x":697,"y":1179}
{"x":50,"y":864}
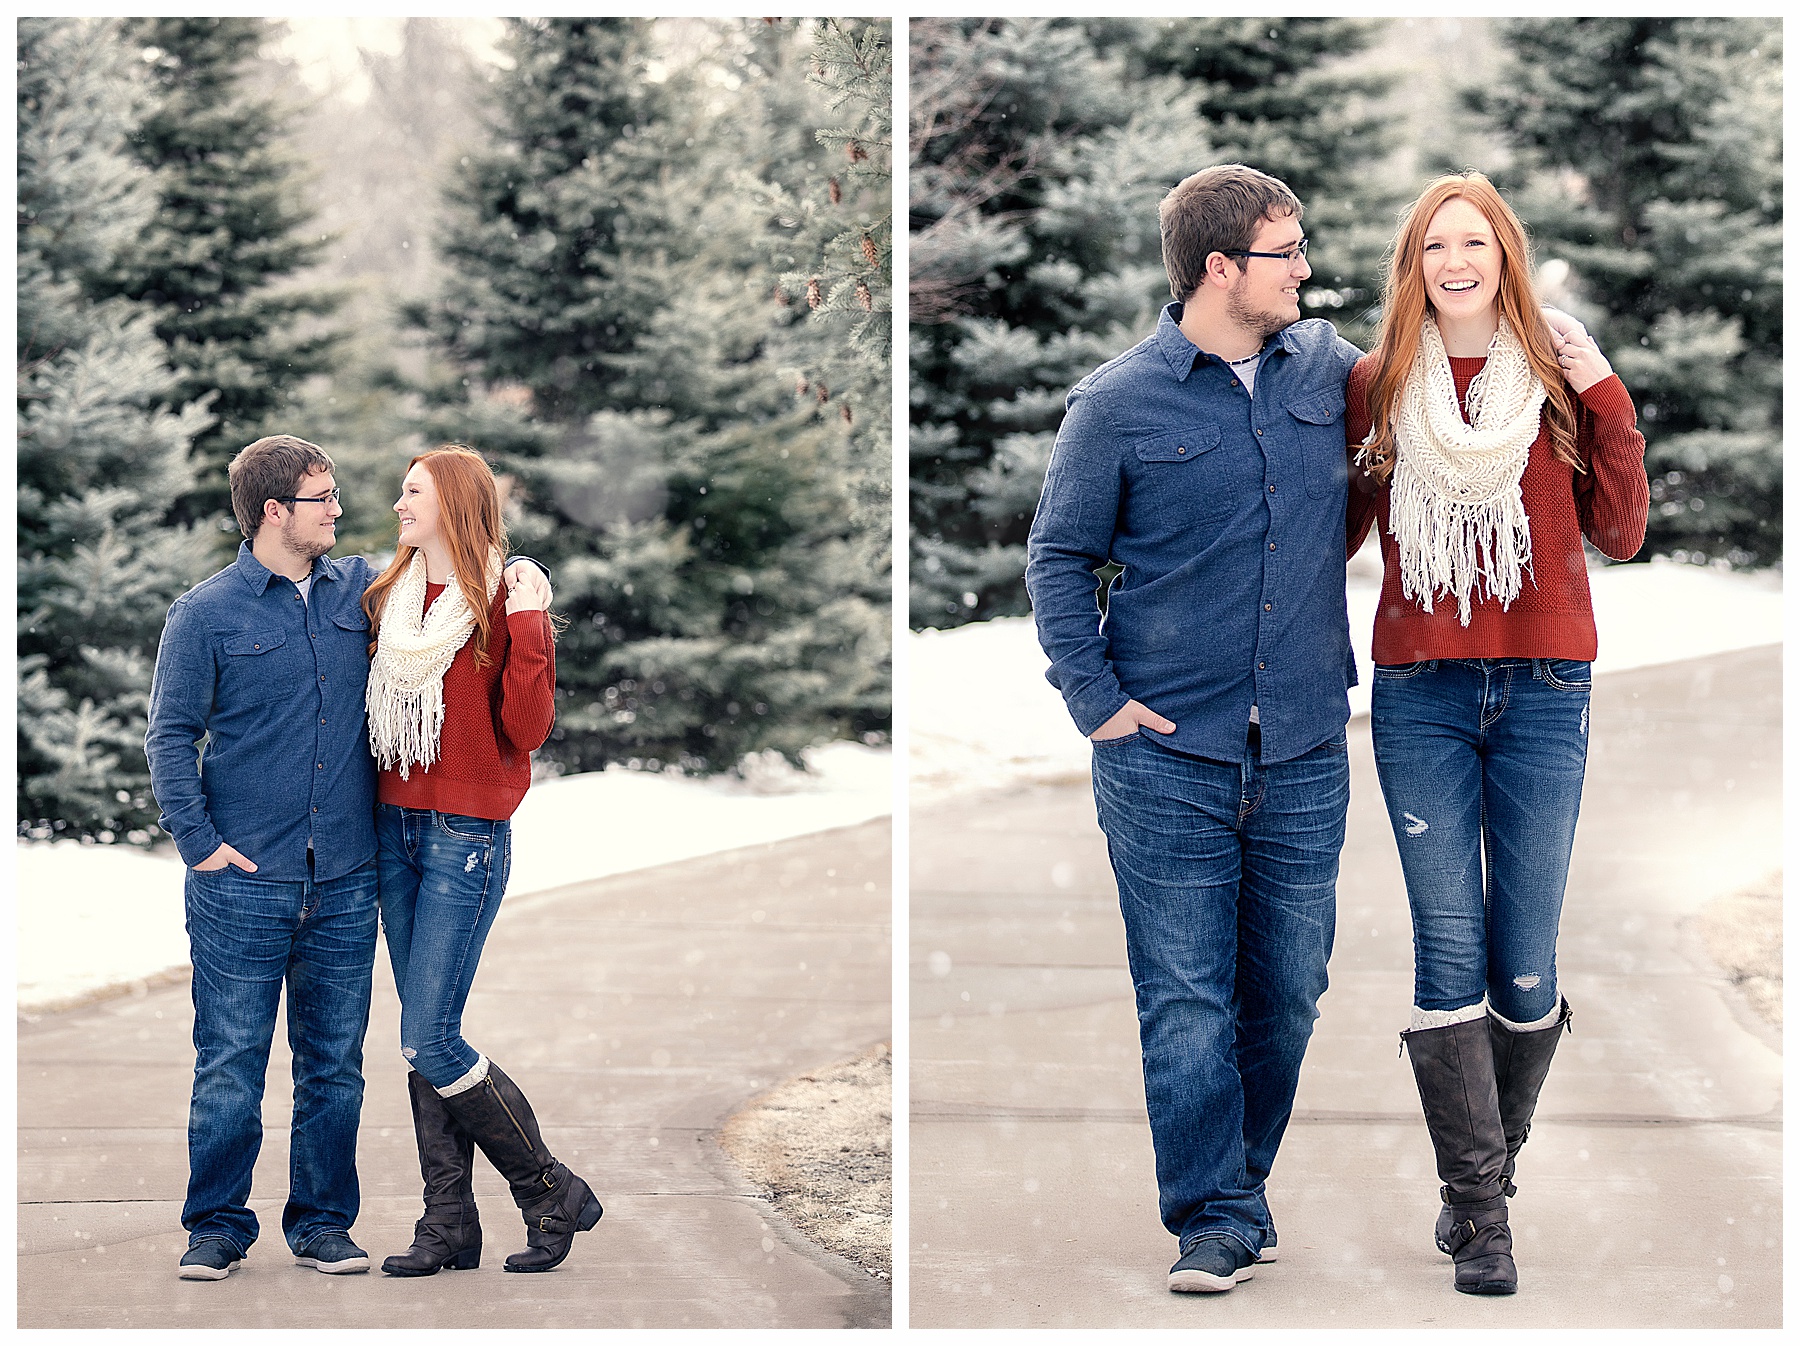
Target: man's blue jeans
{"x":248,"y":937}
{"x":1227,"y":876}
{"x":1482,"y":760}
{"x":442,"y":878}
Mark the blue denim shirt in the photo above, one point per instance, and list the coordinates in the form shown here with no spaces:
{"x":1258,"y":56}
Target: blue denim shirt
{"x":1227,"y":513}
{"x":258,"y":735}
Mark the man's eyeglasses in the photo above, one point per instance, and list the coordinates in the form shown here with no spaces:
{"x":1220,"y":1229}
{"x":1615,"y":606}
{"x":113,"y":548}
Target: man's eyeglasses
{"x":329,"y":498}
{"x":1297,"y":251}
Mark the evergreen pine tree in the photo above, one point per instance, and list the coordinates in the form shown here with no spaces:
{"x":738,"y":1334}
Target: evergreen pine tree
{"x":101,"y":457}
{"x":380,"y":164}
{"x":1041,"y":150}
{"x":228,"y":230}
{"x":612,"y":306}
{"x":1037,"y":166}
{"x":1651,"y":162}
{"x":845,"y":244}
{"x":841,"y":355}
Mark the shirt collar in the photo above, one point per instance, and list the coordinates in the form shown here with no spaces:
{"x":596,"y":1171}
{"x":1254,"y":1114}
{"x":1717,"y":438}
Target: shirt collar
{"x":1184,"y":356}
{"x":1181,"y":353}
{"x":257,"y":575}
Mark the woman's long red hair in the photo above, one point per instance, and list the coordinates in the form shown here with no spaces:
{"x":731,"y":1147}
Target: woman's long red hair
{"x":1404,"y":304}
{"x":470,"y":524}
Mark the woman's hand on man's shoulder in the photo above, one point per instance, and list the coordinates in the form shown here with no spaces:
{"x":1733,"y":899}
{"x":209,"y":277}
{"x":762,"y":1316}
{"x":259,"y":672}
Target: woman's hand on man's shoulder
{"x":527,"y":590}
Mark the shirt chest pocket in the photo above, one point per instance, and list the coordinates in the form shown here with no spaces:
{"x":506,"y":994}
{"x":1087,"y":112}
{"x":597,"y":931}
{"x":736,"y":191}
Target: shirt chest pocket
{"x":1319,"y":430}
{"x":258,"y":667}
{"x":345,"y":644}
{"x":1178,"y":479}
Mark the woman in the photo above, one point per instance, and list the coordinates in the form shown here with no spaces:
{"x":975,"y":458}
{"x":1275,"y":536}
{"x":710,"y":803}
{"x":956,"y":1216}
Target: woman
{"x":461,"y":690}
{"x":1489,"y":446}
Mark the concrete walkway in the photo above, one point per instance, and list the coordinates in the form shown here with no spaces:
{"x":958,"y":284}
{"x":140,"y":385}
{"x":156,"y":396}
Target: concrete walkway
{"x":1650,"y":1192}
{"x":637,"y":1013}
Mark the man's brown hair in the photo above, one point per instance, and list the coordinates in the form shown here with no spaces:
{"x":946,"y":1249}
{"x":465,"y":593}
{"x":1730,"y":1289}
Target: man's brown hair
{"x":1218,"y":209}
{"x":272,"y":467}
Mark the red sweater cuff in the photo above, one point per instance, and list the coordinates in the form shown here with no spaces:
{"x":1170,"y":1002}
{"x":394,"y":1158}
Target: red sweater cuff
{"x":530,"y":628}
{"x":1609,"y":399}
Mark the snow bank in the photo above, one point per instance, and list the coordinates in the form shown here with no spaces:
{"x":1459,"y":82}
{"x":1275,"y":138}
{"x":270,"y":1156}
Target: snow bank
{"x":94,"y":918}
{"x":982,"y":715}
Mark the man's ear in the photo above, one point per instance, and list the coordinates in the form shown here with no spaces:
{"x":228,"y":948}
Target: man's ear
{"x":271,"y":511}
{"x":1219,"y":270}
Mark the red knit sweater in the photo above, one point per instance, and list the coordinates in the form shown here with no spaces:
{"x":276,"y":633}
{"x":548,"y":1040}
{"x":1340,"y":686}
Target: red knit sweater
{"x":494,"y":717}
{"x":1553,"y":616}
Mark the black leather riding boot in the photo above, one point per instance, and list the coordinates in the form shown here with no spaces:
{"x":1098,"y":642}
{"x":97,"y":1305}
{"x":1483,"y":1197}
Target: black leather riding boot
{"x":1521,"y":1064}
{"x":555,"y":1203}
{"x":449,"y":1233}
{"x":1454,"y":1069}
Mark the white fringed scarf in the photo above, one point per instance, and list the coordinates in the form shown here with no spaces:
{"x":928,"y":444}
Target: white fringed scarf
{"x":413,"y":650}
{"x":1455,"y":509}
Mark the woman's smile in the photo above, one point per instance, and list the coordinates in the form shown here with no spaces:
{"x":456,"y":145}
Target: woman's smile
{"x":1461,"y":262}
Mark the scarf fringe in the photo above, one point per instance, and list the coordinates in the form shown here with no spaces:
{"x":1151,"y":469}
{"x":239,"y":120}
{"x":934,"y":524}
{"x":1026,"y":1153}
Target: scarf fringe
{"x":1456,"y":511}
{"x":405,"y":724}
{"x":1452,"y":549}
{"x":413,"y":650}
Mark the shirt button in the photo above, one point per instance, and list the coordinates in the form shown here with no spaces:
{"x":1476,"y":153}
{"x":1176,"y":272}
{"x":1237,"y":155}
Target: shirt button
{"x":1259,"y":432}
{"x":1259,"y":665}
{"x":321,"y":766}
{"x":1271,"y":548}
{"x":1271,"y":490}
{"x":322,"y":676}
{"x":1181,"y":450}
{"x":1267,"y":607}
{"x":315,"y":808}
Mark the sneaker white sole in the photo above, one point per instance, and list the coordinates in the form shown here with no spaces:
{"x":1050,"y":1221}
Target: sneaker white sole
{"x":348,"y":1265}
{"x":1204,"y":1282}
{"x":200,"y":1273}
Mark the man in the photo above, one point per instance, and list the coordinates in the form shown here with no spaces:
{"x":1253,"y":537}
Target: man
{"x":1208,"y":462}
{"x":259,"y":759}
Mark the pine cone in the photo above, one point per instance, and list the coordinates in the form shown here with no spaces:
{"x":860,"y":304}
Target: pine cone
{"x":824,"y":393}
{"x":856,"y":152}
{"x":837,"y":192}
{"x":869,"y":254}
{"x":781,"y":297}
{"x":844,"y":411}
{"x":864,"y":297}
{"x":814,"y":294}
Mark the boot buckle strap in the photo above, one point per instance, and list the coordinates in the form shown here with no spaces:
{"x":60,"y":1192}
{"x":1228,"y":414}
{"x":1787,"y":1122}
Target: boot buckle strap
{"x":550,"y":1224}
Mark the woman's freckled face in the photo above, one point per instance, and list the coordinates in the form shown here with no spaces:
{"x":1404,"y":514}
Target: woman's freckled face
{"x":418,"y":507}
{"x":1461,"y":261}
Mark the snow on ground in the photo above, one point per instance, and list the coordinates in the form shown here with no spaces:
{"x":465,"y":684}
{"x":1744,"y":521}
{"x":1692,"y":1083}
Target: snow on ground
{"x":92,"y":918}
{"x":982,"y":715}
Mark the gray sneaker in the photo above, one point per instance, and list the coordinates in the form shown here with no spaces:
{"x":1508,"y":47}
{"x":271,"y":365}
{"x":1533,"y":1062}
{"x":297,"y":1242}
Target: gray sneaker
{"x":211,"y":1259}
{"x":334,"y":1254}
{"x":1214,"y":1263}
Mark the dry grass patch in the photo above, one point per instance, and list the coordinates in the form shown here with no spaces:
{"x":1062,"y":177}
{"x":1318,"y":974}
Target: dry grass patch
{"x":1742,"y":932}
{"x":822,"y":1145}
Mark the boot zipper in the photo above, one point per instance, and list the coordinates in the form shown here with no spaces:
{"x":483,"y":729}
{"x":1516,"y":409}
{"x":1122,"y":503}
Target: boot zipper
{"x":529,"y":1147}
